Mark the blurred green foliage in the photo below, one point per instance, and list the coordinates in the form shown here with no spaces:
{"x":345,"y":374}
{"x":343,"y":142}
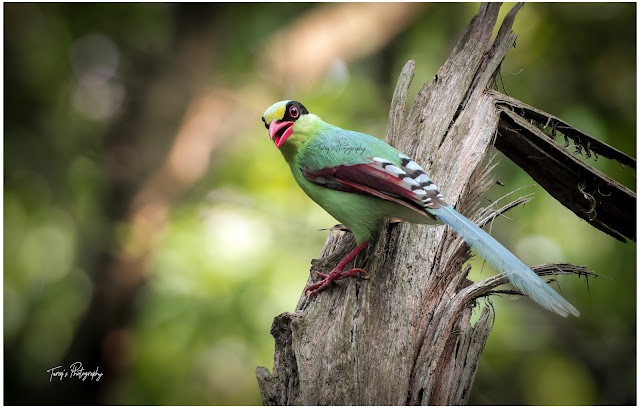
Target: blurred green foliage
{"x":237,"y":246}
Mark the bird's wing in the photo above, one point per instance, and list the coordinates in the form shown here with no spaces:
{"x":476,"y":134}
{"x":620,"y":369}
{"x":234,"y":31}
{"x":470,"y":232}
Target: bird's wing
{"x":405,"y":184}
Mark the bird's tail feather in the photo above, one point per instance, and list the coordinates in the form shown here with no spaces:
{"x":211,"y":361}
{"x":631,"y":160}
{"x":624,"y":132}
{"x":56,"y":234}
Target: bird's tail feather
{"x":519,"y":274}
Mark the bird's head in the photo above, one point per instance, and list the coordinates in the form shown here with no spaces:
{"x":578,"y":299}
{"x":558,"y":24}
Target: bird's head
{"x":281,"y":117}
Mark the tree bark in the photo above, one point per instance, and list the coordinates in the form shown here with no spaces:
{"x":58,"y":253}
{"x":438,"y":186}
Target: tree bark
{"x":404,"y":335}
{"x":527,"y":136}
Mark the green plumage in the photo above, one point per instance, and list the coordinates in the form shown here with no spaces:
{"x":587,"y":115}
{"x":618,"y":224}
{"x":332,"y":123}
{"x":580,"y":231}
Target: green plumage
{"x":320,"y":145}
{"x":361,"y":181}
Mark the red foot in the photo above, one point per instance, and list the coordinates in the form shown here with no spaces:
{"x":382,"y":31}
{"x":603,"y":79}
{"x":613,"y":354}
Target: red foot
{"x":334,"y":275}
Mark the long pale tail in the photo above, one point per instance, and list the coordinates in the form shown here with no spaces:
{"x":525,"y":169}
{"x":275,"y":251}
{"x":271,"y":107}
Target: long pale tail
{"x":520,"y":275}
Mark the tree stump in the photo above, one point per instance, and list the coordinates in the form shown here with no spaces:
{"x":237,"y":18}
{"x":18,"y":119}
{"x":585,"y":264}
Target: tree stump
{"x":404,"y":337}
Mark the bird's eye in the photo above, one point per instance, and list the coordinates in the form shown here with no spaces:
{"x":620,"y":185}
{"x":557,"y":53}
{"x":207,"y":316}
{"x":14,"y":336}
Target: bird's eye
{"x":293,"y":112}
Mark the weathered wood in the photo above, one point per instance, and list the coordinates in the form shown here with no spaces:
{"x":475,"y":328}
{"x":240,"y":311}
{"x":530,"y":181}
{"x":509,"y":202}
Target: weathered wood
{"x":402,"y":337}
{"x":590,"y":194}
{"x":554,"y":126}
{"x":399,"y":101}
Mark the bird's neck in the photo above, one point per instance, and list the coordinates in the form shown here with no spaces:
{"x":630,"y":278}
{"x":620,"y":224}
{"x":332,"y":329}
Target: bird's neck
{"x":289,"y":149}
{"x":304,"y":130}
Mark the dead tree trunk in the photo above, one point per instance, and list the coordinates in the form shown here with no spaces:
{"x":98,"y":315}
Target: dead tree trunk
{"x":404,"y":336}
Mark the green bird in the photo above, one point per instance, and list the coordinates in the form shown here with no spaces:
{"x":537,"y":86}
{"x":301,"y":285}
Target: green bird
{"x":362,"y":181}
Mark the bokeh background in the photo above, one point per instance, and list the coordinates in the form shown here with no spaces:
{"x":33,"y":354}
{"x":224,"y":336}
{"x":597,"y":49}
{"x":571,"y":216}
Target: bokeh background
{"x":151,"y":227}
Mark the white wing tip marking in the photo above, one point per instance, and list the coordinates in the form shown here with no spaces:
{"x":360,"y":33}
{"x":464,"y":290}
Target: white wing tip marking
{"x":379,"y":160}
{"x":396,"y":171}
{"x":413,"y":166}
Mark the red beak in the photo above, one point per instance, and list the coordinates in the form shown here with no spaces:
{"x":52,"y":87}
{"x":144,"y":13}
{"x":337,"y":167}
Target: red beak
{"x":280,"y":131}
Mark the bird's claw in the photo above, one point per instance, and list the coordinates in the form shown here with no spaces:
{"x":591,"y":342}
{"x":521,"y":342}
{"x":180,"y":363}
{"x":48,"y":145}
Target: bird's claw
{"x":327,"y":279}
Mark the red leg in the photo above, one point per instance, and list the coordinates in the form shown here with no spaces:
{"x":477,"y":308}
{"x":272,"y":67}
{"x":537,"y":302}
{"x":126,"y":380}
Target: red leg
{"x":336,"y":273}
